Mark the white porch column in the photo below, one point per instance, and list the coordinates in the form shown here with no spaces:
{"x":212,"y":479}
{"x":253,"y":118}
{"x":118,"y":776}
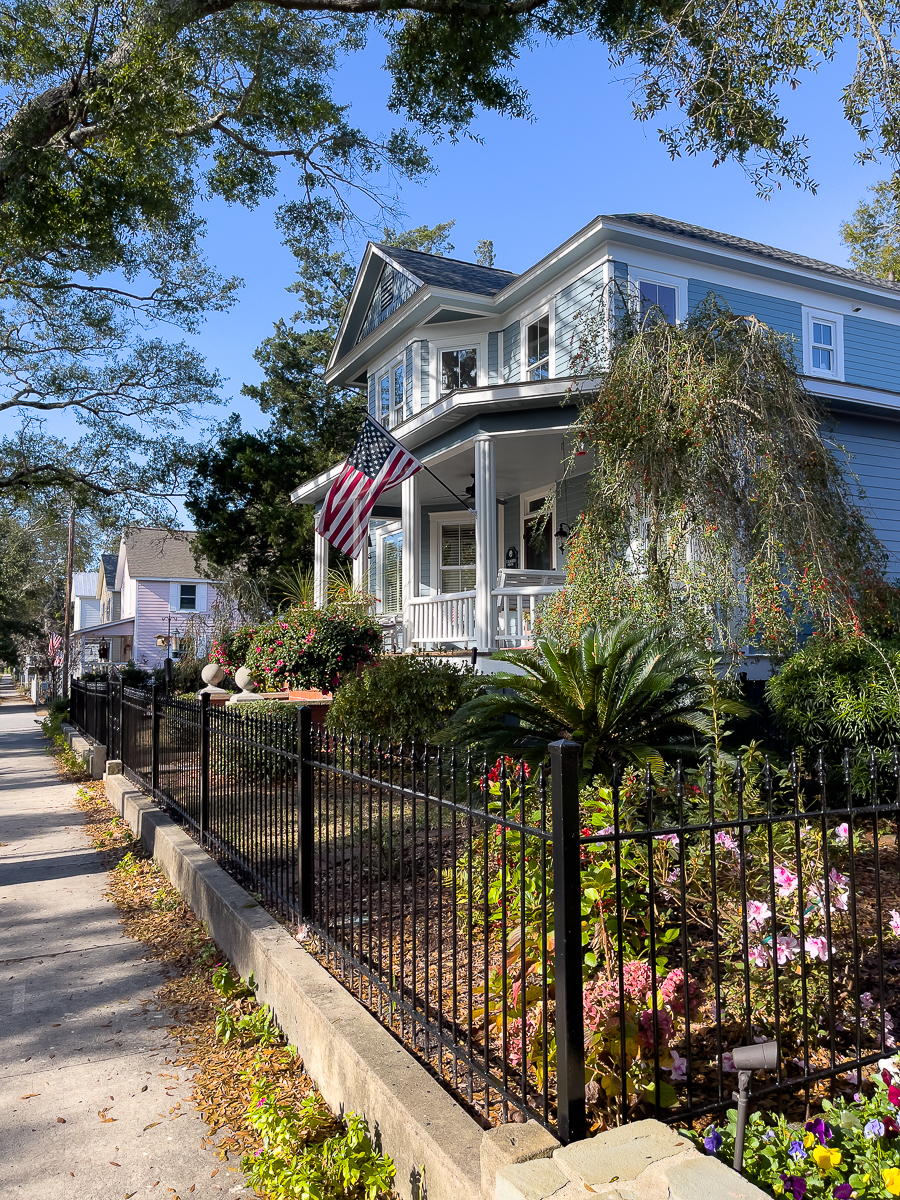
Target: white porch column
{"x":485,"y":542}
{"x":320,"y":571}
{"x":411,"y":559}
{"x":361,"y":568}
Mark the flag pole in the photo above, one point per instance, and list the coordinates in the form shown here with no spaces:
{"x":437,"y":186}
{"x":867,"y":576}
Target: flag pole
{"x":458,"y":499}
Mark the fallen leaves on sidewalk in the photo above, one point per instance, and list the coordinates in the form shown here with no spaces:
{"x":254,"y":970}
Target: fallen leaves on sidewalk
{"x":153,"y":912}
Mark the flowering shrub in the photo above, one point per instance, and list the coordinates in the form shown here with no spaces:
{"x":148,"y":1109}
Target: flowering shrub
{"x":303,"y":647}
{"x":853,"y":1150}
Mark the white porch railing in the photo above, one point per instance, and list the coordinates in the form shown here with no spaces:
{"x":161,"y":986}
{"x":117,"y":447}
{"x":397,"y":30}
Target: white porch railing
{"x":450,"y":618}
{"x":444,"y":618}
{"x":516,"y":613}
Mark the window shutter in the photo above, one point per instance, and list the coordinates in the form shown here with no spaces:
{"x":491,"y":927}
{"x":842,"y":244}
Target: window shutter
{"x":174,"y":596}
{"x":511,"y":365}
{"x":424,"y":390}
{"x":373,"y":413}
{"x":493,"y":358}
{"x":201,"y":597}
{"x":408,"y":377}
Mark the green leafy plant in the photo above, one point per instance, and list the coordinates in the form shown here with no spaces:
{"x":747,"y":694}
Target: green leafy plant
{"x":404,"y":697}
{"x":628,"y":693}
{"x":852,"y":1150}
{"x":840,"y":692}
{"x":295,"y":1163}
{"x":305,"y":647}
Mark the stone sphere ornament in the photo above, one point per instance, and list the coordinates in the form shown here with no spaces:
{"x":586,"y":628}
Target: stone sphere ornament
{"x":244,"y":680}
{"x":211,"y":674}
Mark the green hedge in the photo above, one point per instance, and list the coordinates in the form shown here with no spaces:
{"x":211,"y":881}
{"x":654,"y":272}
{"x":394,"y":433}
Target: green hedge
{"x":403,"y":697}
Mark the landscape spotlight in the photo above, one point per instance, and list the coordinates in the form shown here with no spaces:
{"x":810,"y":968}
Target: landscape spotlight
{"x":762,"y":1056}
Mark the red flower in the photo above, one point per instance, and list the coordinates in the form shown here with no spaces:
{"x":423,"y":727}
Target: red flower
{"x":894,"y":1095}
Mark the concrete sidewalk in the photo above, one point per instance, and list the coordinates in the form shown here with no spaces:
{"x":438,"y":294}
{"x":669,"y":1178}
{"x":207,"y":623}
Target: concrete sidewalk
{"x":85,"y":1087}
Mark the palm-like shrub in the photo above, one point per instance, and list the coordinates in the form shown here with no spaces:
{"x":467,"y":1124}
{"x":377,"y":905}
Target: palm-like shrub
{"x":627,"y":694}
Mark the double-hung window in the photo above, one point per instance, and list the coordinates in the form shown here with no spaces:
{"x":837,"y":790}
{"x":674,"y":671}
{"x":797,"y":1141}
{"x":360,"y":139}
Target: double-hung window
{"x":187,"y":598}
{"x":391,"y":396}
{"x":537,"y":342}
{"x":459,"y":369}
{"x":657,"y":302}
{"x":384,"y":393}
{"x":823,"y":344}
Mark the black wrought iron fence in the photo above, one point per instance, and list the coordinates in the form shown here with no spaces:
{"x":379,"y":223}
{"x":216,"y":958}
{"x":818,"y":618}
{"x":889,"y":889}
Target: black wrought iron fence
{"x":580,"y":955}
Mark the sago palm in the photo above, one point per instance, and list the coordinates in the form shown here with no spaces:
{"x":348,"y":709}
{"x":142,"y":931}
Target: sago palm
{"x":627,"y":694}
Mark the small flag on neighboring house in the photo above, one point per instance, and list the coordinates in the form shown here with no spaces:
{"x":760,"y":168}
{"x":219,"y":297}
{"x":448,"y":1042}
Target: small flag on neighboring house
{"x":377,"y":463}
{"x":55,"y":650}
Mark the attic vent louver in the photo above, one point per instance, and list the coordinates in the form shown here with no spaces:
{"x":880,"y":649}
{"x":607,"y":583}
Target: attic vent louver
{"x":387,"y":288}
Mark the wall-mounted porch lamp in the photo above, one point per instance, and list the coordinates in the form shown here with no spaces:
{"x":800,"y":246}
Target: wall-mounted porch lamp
{"x":562,"y":535}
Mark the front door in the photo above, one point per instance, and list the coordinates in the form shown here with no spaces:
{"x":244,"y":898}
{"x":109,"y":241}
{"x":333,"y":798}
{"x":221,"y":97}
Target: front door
{"x":538,"y":538}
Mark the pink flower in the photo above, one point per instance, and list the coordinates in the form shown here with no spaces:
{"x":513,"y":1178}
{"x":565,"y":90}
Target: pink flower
{"x":678,"y":1068}
{"x":671,"y":838}
{"x":895,"y":922}
{"x":837,"y":878}
{"x":786,"y":880}
{"x":672,"y":992}
{"x":842,"y":833}
{"x":728,"y":1062}
{"x":758,"y":912}
{"x":786,"y":946}
{"x":759,"y":956}
{"x":817,"y":947}
{"x":724,"y":839}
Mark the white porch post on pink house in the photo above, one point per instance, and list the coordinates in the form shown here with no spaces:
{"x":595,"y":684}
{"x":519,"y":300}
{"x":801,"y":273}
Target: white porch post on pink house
{"x":320,"y":571}
{"x":411,"y":552}
{"x":485,"y":543}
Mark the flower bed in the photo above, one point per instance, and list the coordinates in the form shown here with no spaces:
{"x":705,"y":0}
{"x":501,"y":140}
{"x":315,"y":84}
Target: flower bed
{"x":853,"y":1151}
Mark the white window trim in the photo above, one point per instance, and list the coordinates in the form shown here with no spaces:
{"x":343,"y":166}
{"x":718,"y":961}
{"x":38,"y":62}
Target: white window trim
{"x":383,"y":531}
{"x":638,"y":275}
{"x":524,"y":499}
{"x":544,"y":310}
{"x":476,"y":342}
{"x":832,"y":318}
{"x":436,"y":521}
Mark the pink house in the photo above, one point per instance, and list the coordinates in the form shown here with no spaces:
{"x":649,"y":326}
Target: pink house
{"x":158,"y":595}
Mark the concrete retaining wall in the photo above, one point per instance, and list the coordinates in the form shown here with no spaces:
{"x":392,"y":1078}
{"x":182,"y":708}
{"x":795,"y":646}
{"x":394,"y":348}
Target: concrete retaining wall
{"x":356,"y":1064}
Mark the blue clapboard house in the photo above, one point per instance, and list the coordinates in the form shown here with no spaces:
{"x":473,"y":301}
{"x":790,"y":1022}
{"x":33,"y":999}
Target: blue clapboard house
{"x":469,"y":367}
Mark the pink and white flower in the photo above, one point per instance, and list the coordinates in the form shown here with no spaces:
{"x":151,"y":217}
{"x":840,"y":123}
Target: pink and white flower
{"x":786,"y":880}
{"x":678,"y":1068}
{"x":895,"y":922}
{"x":842,"y":833}
{"x":786,"y":947}
{"x":759,"y":956}
{"x":726,"y":841}
{"x":728,"y":1061}
{"x":758,"y":912}
{"x":817,"y":947}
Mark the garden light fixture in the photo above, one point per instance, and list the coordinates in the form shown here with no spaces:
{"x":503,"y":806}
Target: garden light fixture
{"x":762,"y":1056}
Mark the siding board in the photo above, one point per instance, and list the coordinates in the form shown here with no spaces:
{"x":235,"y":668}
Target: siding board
{"x":871,"y":353}
{"x":784,"y":315}
{"x":874,"y":447}
{"x":571,"y":302}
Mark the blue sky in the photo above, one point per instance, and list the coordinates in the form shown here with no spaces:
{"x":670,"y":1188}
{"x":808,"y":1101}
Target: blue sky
{"x":528,"y":186}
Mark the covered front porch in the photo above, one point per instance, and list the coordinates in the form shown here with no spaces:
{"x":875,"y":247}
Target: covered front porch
{"x":471,"y":576}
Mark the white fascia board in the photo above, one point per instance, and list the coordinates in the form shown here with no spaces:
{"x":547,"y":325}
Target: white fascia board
{"x":372,"y":251}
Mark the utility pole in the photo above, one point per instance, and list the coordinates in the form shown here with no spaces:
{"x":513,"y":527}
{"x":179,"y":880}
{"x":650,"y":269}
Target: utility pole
{"x":67,"y":627}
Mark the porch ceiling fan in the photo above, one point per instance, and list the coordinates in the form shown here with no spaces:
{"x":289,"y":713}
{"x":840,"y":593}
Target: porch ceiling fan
{"x":469,"y":493}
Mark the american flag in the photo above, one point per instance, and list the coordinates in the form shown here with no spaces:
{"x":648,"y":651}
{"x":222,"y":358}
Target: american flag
{"x":377,"y":463}
{"x":55,"y":650}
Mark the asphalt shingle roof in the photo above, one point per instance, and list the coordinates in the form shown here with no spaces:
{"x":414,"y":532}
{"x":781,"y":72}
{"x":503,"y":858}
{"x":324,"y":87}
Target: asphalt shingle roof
{"x":729,"y":241}
{"x":161,"y":554}
{"x":451,"y":272}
